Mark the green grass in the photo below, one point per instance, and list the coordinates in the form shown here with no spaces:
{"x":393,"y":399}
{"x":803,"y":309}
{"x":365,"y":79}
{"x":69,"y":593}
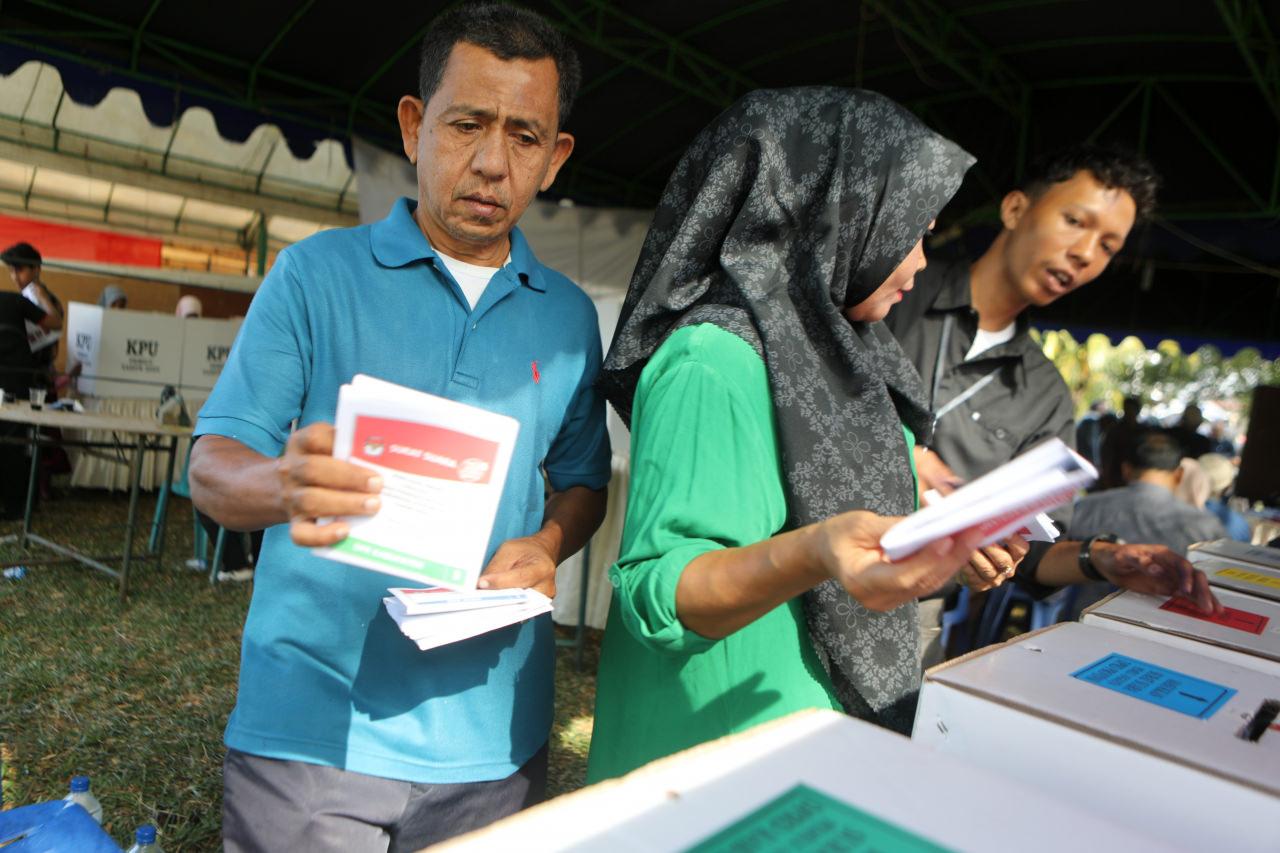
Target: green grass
{"x":136,"y":695}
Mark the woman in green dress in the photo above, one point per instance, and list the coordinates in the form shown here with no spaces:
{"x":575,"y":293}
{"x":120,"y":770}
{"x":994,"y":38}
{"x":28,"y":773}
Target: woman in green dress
{"x":772,"y":424}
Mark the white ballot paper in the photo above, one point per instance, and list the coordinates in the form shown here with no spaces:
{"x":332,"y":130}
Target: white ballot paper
{"x":1001,"y":502}
{"x":443,"y":465}
{"x":1038,"y":529}
{"x":436,"y":628}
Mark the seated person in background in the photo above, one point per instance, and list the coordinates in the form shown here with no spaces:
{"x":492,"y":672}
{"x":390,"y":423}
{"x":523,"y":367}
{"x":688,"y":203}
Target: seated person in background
{"x":1187,"y":432}
{"x":1220,"y":442}
{"x":1193,"y":488}
{"x":1146,"y":509}
{"x":1222,"y":476}
{"x":113,"y":296}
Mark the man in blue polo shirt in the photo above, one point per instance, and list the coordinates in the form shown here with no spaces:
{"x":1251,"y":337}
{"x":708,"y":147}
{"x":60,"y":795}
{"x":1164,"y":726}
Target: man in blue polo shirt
{"x":345,"y":736}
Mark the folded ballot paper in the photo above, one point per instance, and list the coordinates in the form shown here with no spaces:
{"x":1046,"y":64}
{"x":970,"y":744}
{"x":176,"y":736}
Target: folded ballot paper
{"x":443,"y":465}
{"x":1004,"y":501}
{"x":437,"y":616}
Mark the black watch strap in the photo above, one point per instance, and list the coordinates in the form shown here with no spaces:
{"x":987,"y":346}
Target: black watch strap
{"x":1085,"y":557}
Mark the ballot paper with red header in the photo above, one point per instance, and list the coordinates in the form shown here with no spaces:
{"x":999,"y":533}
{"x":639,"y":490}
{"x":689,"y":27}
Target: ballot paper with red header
{"x":999,"y":503}
{"x":443,"y":466}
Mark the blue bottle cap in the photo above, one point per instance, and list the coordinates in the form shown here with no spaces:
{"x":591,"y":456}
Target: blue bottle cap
{"x":79,"y":784}
{"x":146,"y":834}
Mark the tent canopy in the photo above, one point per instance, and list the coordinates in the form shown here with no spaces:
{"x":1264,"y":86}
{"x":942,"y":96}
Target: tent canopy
{"x":1194,"y":86}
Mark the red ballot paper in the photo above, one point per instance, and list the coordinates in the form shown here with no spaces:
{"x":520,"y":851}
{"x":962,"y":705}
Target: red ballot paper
{"x":1241,"y":620}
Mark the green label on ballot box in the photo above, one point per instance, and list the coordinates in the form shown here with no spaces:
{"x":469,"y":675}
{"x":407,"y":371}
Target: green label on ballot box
{"x":805,"y":821}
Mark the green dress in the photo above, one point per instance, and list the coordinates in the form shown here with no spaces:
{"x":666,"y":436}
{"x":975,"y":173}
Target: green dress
{"x":705,"y":474}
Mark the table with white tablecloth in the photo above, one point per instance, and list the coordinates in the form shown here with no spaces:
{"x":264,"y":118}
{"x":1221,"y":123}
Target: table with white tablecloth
{"x":603,"y":554}
{"x":105,"y":468}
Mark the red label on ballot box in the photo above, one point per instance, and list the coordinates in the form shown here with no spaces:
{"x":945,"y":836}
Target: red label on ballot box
{"x":1241,"y":620}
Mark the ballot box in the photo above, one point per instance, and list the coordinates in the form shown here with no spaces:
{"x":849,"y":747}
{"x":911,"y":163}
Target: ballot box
{"x":1239,"y":575}
{"x":816,"y":780}
{"x":1230,"y":549}
{"x":123,"y":353}
{"x":206,"y":343}
{"x":1247,"y":634}
{"x":1175,"y":745}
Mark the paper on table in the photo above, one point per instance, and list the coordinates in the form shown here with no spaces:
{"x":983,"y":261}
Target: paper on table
{"x":443,"y":466}
{"x":1000,"y":502}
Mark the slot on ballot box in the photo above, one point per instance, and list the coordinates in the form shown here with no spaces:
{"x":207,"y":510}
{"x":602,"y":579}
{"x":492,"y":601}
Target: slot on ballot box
{"x":1247,"y":634}
{"x":1179,"y":745}
{"x":815,"y":780}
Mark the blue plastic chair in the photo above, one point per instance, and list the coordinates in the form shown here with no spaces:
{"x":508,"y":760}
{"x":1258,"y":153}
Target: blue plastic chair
{"x":1044,"y":612}
{"x":953,"y":619}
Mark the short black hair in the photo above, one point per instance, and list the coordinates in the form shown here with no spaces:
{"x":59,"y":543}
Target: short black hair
{"x":21,"y":255}
{"x":508,"y":33}
{"x":1113,"y":166}
{"x":1154,"y":449}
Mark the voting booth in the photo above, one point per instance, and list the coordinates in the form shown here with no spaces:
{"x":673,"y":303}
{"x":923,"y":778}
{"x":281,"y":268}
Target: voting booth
{"x":123,"y":353}
{"x":1179,"y":745}
{"x":206,"y":343}
{"x":1246,"y":634}
{"x":815,"y":780}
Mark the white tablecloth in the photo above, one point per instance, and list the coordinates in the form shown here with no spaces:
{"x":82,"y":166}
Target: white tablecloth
{"x":604,"y":553}
{"x":104,"y":468}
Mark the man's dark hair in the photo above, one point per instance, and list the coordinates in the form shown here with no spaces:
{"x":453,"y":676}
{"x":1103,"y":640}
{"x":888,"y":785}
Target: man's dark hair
{"x":1114,"y":167}
{"x":21,"y":255}
{"x":1154,"y":449}
{"x":508,"y":33}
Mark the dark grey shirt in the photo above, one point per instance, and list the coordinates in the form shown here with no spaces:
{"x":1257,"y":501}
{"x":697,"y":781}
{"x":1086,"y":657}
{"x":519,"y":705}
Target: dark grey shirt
{"x":1145,"y":512}
{"x":1023,"y":402}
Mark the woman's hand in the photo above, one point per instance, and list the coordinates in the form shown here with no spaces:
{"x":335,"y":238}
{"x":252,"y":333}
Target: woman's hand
{"x":848,"y":547}
{"x":993,"y":565}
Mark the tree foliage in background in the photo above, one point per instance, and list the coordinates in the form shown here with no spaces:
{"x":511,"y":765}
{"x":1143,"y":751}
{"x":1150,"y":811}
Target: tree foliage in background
{"x":1096,"y":369}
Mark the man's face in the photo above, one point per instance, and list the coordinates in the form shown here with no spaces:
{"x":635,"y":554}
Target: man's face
{"x":1065,"y":237}
{"x":484,"y":145}
{"x":22,"y":276}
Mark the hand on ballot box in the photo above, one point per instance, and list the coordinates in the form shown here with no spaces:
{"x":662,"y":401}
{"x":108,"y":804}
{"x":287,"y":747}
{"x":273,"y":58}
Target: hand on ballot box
{"x":1154,"y":570}
{"x":314,"y":485}
{"x":849,"y":547}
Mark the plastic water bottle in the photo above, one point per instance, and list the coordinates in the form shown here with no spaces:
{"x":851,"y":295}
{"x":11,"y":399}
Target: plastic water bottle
{"x":144,"y":840}
{"x":82,"y":796}
{"x":15,"y":573}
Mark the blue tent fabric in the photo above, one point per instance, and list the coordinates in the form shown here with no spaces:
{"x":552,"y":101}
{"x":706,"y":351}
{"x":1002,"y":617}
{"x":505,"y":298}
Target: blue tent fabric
{"x":58,"y":826}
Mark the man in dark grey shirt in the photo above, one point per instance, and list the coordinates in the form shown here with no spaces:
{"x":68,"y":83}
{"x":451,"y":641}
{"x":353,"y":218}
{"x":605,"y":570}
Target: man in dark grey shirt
{"x":994,"y":392}
{"x":1146,"y":509}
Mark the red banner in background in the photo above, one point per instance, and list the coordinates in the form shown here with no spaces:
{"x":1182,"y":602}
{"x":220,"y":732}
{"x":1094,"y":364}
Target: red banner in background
{"x":70,"y":242}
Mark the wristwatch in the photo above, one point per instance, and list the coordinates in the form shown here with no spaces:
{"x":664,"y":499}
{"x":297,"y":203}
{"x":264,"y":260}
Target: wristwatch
{"x":1085,"y":557}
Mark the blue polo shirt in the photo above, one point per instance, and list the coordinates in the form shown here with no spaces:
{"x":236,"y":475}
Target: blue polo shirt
{"x":325,"y":675}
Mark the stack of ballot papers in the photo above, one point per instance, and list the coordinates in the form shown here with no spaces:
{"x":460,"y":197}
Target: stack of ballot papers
{"x":443,"y":465}
{"x":999,"y":503}
{"x":436,"y":616}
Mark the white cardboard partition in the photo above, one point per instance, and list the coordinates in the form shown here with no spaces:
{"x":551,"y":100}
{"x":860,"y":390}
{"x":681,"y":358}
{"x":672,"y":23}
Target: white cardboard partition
{"x":1240,"y":575}
{"x":1131,"y":730}
{"x":134,"y":354}
{"x":816,"y":780}
{"x":1248,"y":634}
{"x":205,"y":347}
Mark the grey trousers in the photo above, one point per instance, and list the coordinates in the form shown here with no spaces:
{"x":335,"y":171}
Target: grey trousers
{"x":278,"y":806}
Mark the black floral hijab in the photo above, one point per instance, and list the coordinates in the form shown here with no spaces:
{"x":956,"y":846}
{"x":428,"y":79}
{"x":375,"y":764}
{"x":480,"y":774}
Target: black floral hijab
{"x":790,"y":206}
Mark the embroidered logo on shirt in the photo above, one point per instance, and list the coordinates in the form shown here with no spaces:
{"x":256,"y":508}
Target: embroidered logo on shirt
{"x":537,"y":377}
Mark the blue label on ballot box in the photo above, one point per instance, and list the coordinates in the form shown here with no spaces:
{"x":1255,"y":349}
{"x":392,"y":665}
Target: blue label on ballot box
{"x":1176,"y":691}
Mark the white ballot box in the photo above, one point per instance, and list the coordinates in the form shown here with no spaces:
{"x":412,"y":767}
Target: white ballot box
{"x":1230,"y":549}
{"x":1248,"y":634}
{"x":1177,"y":745}
{"x":1239,"y":575}
{"x":816,"y":780}
{"x":123,"y":353}
{"x":206,"y":344}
